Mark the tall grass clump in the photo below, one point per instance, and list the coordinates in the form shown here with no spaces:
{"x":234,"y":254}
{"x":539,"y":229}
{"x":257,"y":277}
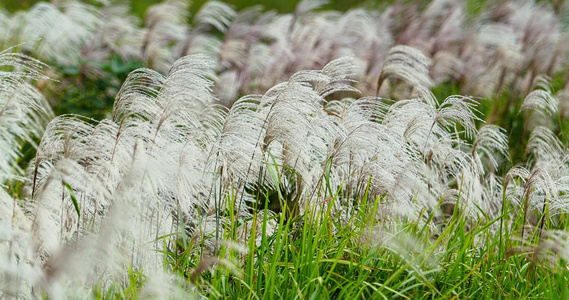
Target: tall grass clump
{"x":174,"y":168}
{"x":316,"y":154}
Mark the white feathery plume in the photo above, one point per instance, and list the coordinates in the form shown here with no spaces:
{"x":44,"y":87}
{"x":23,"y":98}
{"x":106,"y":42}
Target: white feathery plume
{"x":451,"y":32}
{"x":514,"y":182}
{"x":303,"y":8}
{"x":163,"y":285}
{"x":227,"y":87}
{"x":170,"y":37}
{"x":366,"y":152}
{"x":491,"y":140}
{"x":240,"y":141}
{"x":541,"y":32}
{"x":493,"y":194}
{"x":540,"y":100}
{"x":137,"y":95}
{"x":448,"y":161}
{"x":199,"y":43}
{"x":406,"y":246}
{"x":7,"y":22}
{"x":61,"y":33}
{"x":516,"y":171}
{"x":120,"y":228}
{"x":546,"y":186}
{"x":366,"y":36}
{"x":174,"y":11}
{"x":166,"y":24}
{"x":238,"y":48}
{"x":414,"y":121}
{"x":59,"y":169}
{"x":190,"y":78}
{"x":18,"y":265}
{"x":216,"y":14}
{"x":65,"y":136}
{"x":68,"y":32}
{"x":410,"y":65}
{"x":461,"y":110}
{"x":552,"y":248}
{"x":480,"y":198}
{"x":340,"y":72}
{"x":430,"y":134}
{"x":23,"y":110}
{"x":186,"y":124}
{"x":200,"y":37}
{"x":440,"y":147}
{"x":295,"y":119}
{"x":244,"y":33}
{"x":496,"y":41}
{"x":307,"y":5}
{"x":540,"y":188}
{"x":544,"y":145}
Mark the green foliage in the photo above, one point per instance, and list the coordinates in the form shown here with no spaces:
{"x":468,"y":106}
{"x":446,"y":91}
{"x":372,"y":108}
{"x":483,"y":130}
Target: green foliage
{"x":319,"y":256}
{"x":139,"y":7}
{"x":91,"y":96}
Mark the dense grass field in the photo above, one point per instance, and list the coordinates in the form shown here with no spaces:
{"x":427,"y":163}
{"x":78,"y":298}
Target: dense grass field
{"x":389,"y":150}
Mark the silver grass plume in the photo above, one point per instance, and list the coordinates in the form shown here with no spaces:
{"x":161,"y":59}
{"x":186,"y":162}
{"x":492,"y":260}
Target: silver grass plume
{"x":460,"y":109}
{"x":412,"y":66}
{"x":239,"y":145}
{"x":541,"y":99}
{"x":543,"y":145}
{"x":513,"y":184}
{"x":169,"y":37}
{"x":418,"y":123}
{"x":216,"y":14}
{"x":201,"y":35}
{"x":241,"y":37}
{"x":367,"y":156}
{"x":545,"y":189}
{"x":367,"y":37}
{"x":61,"y":32}
{"x":165,"y":23}
{"x":432,"y":133}
{"x":119,"y":230}
{"x":481,"y":191}
{"x":297,"y":123}
{"x":24,"y":111}
{"x":302,"y":8}
{"x":490,"y":141}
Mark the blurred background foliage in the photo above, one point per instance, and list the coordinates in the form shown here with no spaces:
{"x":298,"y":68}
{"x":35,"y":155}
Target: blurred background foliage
{"x":94,"y":96}
{"x":281,"y":6}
